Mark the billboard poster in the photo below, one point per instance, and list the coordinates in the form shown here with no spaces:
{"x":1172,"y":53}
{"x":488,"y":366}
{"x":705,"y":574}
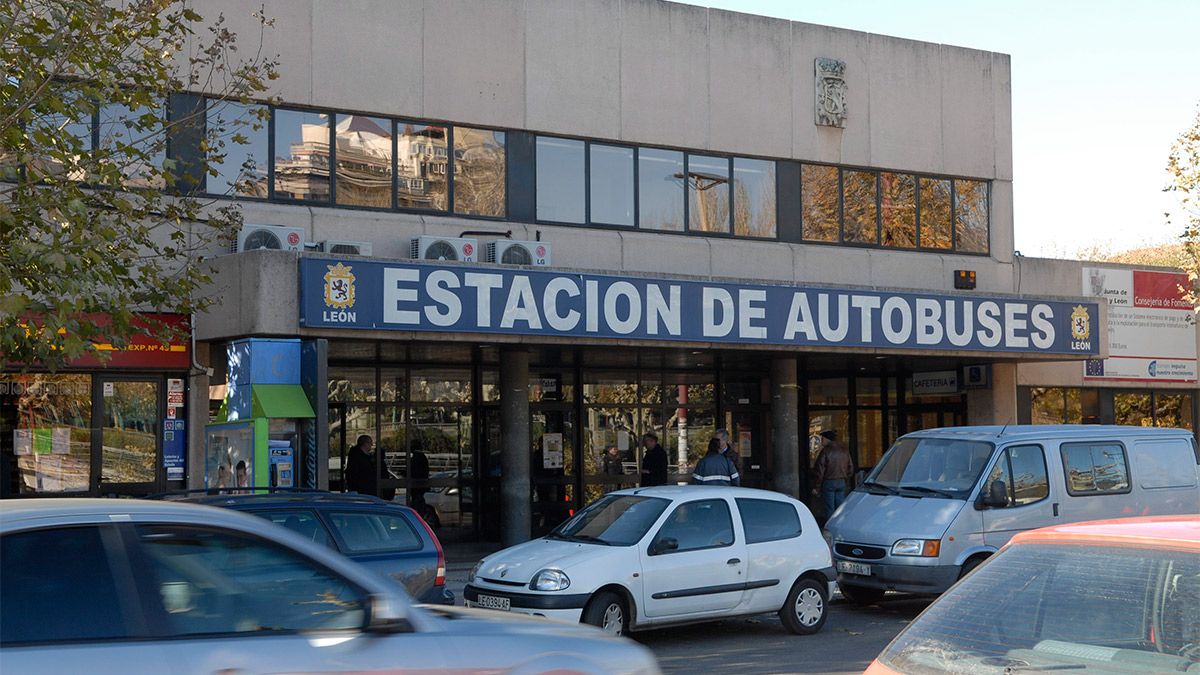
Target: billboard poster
{"x":1151,"y":336}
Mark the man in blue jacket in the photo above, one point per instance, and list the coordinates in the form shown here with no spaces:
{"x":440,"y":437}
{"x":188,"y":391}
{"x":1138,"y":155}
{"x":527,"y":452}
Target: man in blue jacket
{"x":715,"y":468}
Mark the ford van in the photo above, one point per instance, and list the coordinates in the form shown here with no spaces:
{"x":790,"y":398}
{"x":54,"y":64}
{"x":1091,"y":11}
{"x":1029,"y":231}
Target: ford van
{"x":942,"y":500}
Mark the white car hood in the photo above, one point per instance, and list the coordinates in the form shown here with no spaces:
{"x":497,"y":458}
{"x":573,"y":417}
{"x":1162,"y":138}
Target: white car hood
{"x":521,"y":562}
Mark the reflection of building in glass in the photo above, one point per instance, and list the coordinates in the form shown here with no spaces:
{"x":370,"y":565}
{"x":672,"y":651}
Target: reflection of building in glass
{"x":364,"y":162}
{"x":304,"y":173}
{"x":421,"y":164}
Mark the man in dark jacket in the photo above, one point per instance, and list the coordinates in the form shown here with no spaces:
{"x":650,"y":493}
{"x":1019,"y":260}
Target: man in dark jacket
{"x":833,"y":472}
{"x":654,"y":461}
{"x":727,"y":449}
{"x":715,"y":468}
{"x":360,"y":468}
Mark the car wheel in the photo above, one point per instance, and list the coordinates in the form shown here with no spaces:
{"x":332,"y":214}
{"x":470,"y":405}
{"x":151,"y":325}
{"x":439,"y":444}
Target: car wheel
{"x":861,"y":595}
{"x":806,"y":608}
{"x":607,"y":612}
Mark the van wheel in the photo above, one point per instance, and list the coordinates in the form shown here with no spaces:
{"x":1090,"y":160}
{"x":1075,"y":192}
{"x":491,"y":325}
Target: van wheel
{"x":861,"y":595}
{"x":970,"y":565}
{"x":806,"y":608}
{"x":607,"y":612}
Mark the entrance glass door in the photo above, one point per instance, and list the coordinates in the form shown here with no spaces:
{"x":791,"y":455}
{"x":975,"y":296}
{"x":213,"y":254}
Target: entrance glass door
{"x":552,"y":467}
{"x":130,"y":429}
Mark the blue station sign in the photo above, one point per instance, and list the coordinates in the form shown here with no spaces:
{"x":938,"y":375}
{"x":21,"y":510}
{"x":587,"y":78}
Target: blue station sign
{"x":454,"y":297}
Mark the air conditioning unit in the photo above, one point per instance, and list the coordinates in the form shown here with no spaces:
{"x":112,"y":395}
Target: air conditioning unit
{"x":515,"y":252}
{"x":254,"y":237}
{"x":445,"y":248}
{"x":339,"y":247}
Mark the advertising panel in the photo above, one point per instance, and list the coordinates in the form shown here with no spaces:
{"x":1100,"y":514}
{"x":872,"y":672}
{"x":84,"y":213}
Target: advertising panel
{"x":1151,"y":336}
{"x":449,"y":297}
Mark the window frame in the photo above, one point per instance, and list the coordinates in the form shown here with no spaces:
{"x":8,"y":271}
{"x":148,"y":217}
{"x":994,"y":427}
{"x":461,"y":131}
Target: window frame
{"x":746,"y":532}
{"x":1005,"y":456}
{"x":667,"y":521}
{"x":1089,"y":444}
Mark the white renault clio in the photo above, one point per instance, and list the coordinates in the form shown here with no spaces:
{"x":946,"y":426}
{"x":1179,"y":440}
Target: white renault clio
{"x":648,"y":557}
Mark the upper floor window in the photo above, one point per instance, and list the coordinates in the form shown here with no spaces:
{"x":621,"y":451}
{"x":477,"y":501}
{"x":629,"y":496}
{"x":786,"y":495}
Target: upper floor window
{"x":480,"y":188}
{"x":301,"y":163}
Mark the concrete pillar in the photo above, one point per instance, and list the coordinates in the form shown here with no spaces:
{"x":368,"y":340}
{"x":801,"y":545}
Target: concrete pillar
{"x":998,"y":403}
{"x":785,"y":422}
{"x":516,"y":489}
{"x":197,"y":417}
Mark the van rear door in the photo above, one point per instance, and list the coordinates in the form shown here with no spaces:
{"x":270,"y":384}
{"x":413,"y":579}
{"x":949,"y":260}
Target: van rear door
{"x":1030,"y":499}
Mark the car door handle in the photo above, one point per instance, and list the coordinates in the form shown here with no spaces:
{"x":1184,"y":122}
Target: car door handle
{"x":733,"y":561}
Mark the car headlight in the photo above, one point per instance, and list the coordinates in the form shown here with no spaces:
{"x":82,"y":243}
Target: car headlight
{"x":475,"y":570}
{"x":550,"y":580}
{"x":924,"y":548}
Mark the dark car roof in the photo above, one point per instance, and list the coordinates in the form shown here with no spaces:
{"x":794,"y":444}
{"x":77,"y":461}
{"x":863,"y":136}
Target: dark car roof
{"x":273,"y":499}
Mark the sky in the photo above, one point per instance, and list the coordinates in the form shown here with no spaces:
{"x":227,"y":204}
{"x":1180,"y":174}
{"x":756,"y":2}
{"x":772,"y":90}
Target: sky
{"x":1100,"y":90}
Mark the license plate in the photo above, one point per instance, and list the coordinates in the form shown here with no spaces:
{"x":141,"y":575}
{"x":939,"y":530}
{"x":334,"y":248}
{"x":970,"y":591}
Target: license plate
{"x":493,"y":602}
{"x":854,"y":568}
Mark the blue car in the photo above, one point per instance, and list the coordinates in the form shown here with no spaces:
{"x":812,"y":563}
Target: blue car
{"x":387,"y":538}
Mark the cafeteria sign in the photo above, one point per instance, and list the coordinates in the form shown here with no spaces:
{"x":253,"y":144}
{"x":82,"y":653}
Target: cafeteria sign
{"x":454,"y":297}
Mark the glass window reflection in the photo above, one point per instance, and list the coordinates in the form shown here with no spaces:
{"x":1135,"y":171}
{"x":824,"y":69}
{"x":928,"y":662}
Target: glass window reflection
{"x":73,"y":140}
{"x":708,"y":194}
{"x":935,"y":213}
{"x":660,"y":190}
{"x":560,"y":180}
{"x":364,"y":161}
{"x":301,"y":155}
{"x":859,"y":212}
{"x":819,"y":202}
{"x":241,"y":168}
{"x":898,"y":209}
{"x":45,"y":432}
{"x":422,"y":162}
{"x":971,"y":215}
{"x":611,"y":184}
{"x":479,"y":172}
{"x":141,"y":128}
{"x":753,"y":198}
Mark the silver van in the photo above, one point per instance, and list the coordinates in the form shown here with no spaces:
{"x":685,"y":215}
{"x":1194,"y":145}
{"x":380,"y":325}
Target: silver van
{"x":942,"y":500}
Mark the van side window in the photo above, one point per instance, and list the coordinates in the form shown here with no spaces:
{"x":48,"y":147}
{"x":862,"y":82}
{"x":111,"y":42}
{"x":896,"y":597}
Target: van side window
{"x":1095,"y":468}
{"x":1023,"y":470}
{"x":1160,"y":463}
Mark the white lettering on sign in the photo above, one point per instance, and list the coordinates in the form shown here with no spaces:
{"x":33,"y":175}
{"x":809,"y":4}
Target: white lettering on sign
{"x":437,"y":287}
{"x":483,"y":284}
{"x":749,"y":309}
{"x":633,"y":307}
{"x":710,"y":298}
{"x":394,"y":295}
{"x":828,"y":331}
{"x":940,"y":382}
{"x":660,"y":309}
{"x":800,"y":319}
{"x":520,"y":305}
{"x":556,"y":287}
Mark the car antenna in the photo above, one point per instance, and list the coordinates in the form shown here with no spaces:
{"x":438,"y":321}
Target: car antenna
{"x":1002,"y":429}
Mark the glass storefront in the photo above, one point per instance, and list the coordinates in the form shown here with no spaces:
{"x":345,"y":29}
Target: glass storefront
{"x":1098,"y":405}
{"x":89,"y":433}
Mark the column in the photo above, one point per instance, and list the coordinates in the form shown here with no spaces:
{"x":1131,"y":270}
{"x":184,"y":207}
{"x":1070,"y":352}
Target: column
{"x":197,"y":417}
{"x":785,"y":422}
{"x":996,"y":404}
{"x":516,"y":515}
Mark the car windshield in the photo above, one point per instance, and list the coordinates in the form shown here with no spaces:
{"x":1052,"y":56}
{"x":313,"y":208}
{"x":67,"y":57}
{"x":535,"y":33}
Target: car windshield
{"x":1039,"y":607}
{"x":930,"y":467}
{"x":614,"y":520}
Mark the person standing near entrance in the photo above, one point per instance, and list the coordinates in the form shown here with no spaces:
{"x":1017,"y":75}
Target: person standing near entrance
{"x":833,"y":472}
{"x":360,"y":467}
{"x":727,"y":449}
{"x":715,"y":468}
{"x":418,"y":472}
{"x":654,"y":461}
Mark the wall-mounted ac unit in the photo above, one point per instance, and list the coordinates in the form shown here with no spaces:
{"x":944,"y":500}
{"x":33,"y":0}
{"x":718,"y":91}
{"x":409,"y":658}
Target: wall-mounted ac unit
{"x":516,"y":252}
{"x":464,"y":249}
{"x":339,"y":247}
{"x":254,"y":237}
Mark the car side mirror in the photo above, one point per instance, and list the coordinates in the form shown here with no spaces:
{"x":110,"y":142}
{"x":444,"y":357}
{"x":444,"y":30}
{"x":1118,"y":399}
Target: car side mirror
{"x":386,"y":615}
{"x":663,"y":545}
{"x":996,"y":496}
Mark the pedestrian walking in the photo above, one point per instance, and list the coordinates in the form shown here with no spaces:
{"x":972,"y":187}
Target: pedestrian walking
{"x":833,"y":472}
{"x":715,"y":468}
{"x":654,"y":461}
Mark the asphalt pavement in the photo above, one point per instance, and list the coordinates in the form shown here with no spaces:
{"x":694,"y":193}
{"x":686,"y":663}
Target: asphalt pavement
{"x":760,"y":645}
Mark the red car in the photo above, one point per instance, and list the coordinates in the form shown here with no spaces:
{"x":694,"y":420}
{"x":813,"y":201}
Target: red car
{"x":1117,"y":596}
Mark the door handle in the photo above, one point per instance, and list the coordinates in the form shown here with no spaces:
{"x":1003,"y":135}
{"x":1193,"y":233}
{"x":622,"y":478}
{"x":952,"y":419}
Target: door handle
{"x":1056,"y":510}
{"x":733,"y":561}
